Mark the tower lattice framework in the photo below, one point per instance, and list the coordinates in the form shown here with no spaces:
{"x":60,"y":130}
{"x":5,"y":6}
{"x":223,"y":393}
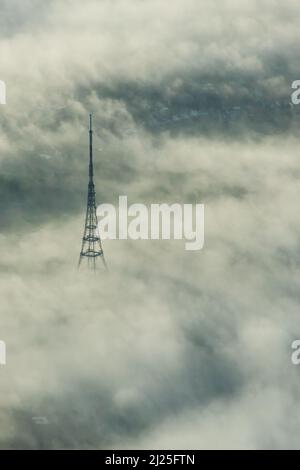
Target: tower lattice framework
{"x":91,"y":248}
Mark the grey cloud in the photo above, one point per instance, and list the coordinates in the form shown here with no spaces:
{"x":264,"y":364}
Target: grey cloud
{"x":110,"y":361}
{"x":167,"y":340}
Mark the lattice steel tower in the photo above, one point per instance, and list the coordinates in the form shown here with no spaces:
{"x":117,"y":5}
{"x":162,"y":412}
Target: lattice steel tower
{"x":91,"y":248}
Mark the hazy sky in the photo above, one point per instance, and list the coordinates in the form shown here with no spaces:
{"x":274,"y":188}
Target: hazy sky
{"x":170,"y":349}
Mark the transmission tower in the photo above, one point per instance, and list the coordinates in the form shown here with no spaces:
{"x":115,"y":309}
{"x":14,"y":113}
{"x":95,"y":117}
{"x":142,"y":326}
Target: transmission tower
{"x":91,"y":248}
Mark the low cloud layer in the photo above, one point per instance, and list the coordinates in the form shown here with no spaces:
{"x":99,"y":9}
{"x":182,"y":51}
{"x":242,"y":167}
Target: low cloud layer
{"x":166,"y":337}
